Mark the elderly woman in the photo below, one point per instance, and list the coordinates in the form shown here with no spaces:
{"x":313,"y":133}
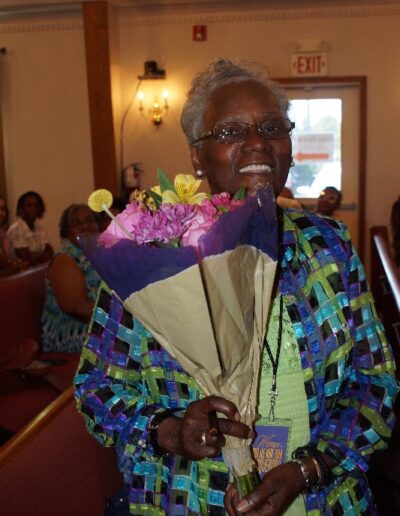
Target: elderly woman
{"x":71,"y":285}
{"x":325,"y":350}
{"x":28,"y":240}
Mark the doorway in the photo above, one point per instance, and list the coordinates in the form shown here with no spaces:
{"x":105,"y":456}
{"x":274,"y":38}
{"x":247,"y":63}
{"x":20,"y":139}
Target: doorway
{"x":329,"y":145}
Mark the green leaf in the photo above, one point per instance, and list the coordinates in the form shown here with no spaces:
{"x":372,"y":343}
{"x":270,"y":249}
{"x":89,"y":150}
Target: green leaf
{"x":156,"y":198}
{"x":240,"y":194}
{"x":164,"y":182}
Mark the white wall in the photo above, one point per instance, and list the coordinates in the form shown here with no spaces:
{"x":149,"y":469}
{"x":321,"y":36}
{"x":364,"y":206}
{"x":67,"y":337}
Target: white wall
{"x":44,"y":93}
{"x":45,"y":114}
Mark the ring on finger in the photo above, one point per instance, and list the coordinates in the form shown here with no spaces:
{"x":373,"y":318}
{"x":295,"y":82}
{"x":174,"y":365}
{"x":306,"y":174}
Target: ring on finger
{"x":203,"y":439}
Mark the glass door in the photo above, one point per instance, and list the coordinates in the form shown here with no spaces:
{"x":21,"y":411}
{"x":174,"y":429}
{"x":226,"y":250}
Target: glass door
{"x":328,"y":146}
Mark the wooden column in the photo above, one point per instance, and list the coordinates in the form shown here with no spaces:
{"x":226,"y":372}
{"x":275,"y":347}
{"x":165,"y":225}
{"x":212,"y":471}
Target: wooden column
{"x":3,"y":183}
{"x":98,"y":66}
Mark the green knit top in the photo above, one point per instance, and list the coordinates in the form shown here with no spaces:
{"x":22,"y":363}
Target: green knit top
{"x":291,"y":402}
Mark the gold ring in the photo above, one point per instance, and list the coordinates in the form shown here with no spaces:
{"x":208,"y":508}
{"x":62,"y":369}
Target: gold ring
{"x":203,"y":440}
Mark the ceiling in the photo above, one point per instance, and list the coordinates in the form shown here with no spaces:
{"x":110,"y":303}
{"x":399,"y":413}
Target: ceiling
{"x":43,"y":6}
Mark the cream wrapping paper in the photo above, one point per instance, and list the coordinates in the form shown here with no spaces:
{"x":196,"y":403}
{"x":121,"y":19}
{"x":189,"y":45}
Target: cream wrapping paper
{"x":217,"y":339}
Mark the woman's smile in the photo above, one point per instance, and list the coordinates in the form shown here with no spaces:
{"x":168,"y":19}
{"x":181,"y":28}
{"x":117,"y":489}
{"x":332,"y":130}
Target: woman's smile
{"x":254,"y":168}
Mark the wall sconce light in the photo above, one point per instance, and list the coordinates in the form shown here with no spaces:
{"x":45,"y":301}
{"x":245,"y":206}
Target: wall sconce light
{"x":158,"y":109}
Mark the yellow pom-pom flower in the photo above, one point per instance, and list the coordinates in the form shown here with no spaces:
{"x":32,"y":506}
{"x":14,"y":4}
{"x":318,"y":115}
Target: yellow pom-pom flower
{"x":99,"y":200}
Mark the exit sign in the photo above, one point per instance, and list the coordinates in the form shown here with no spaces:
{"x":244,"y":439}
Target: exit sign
{"x":309,"y":64}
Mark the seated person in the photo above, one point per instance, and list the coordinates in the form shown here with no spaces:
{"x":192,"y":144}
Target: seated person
{"x":27,"y":238}
{"x":328,"y":201}
{"x":71,"y":285}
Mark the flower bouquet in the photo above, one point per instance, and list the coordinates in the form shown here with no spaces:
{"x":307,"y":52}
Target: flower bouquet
{"x":197,"y":271}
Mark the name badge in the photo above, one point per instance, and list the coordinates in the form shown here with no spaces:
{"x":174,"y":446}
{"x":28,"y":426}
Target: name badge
{"x":271,"y":443}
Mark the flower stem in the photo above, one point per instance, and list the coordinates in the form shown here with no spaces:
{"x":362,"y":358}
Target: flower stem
{"x":247,"y":483}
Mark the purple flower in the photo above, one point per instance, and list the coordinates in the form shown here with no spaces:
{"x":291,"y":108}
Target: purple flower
{"x":169,"y":224}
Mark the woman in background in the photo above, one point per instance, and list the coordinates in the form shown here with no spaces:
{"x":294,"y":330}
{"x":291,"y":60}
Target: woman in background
{"x":71,"y":285}
{"x":27,"y":238}
{"x":329,"y":201}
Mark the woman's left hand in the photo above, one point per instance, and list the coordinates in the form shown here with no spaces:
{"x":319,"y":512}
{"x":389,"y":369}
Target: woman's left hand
{"x":278,"y":489}
{"x":200,"y":433}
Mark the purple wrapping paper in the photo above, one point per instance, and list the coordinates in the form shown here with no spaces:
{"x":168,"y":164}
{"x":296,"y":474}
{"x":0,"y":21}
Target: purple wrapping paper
{"x":127,"y":267}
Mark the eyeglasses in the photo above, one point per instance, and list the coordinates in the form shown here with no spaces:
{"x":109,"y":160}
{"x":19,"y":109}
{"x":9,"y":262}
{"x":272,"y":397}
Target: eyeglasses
{"x":236,"y":132}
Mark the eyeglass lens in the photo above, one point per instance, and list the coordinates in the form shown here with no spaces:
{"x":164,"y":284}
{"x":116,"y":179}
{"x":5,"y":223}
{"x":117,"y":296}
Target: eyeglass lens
{"x":272,"y":129}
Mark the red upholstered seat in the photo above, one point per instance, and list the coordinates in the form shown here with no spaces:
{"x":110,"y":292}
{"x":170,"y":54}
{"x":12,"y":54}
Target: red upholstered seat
{"x":18,"y":408}
{"x":61,"y":470}
{"x":21,"y":299}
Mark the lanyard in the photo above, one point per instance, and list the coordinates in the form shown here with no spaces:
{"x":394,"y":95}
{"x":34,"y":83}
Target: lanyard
{"x":273,"y":393}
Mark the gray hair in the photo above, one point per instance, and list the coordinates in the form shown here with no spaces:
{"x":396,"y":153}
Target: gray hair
{"x":217,"y":74}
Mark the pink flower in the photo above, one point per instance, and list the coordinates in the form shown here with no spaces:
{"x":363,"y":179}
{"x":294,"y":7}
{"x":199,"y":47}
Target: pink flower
{"x":129,"y":218}
{"x":205,"y":216}
{"x":222,"y":199}
{"x":224,"y":202}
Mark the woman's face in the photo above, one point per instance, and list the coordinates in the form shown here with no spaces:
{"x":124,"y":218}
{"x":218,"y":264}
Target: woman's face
{"x":3,"y":211}
{"x":82,"y":220}
{"x":253,"y":161}
{"x":30,"y":209}
{"x":328,"y":201}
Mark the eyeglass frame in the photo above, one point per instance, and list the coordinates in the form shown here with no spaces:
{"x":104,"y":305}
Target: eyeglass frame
{"x":211,"y":133}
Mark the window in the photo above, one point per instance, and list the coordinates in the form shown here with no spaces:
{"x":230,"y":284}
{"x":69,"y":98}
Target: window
{"x":316,"y":146}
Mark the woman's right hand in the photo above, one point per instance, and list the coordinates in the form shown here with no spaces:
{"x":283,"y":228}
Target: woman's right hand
{"x":195,"y":436}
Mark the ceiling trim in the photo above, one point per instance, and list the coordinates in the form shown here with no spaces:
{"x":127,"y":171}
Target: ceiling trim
{"x":134,"y":18}
{"x":35,"y":10}
{"x":128,"y":17}
{"x":40,"y":26}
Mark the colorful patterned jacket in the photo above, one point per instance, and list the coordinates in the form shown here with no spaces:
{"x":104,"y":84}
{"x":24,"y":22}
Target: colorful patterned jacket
{"x":125,"y":377}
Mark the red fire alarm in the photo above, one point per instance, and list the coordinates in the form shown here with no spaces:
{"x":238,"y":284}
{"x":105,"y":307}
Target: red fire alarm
{"x":199,"y":32}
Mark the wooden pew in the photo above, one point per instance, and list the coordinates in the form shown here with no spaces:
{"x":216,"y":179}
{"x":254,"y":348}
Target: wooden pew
{"x":385,"y":286}
{"x":22,"y":298}
{"x":55,"y":467}
{"x":384,"y":474}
